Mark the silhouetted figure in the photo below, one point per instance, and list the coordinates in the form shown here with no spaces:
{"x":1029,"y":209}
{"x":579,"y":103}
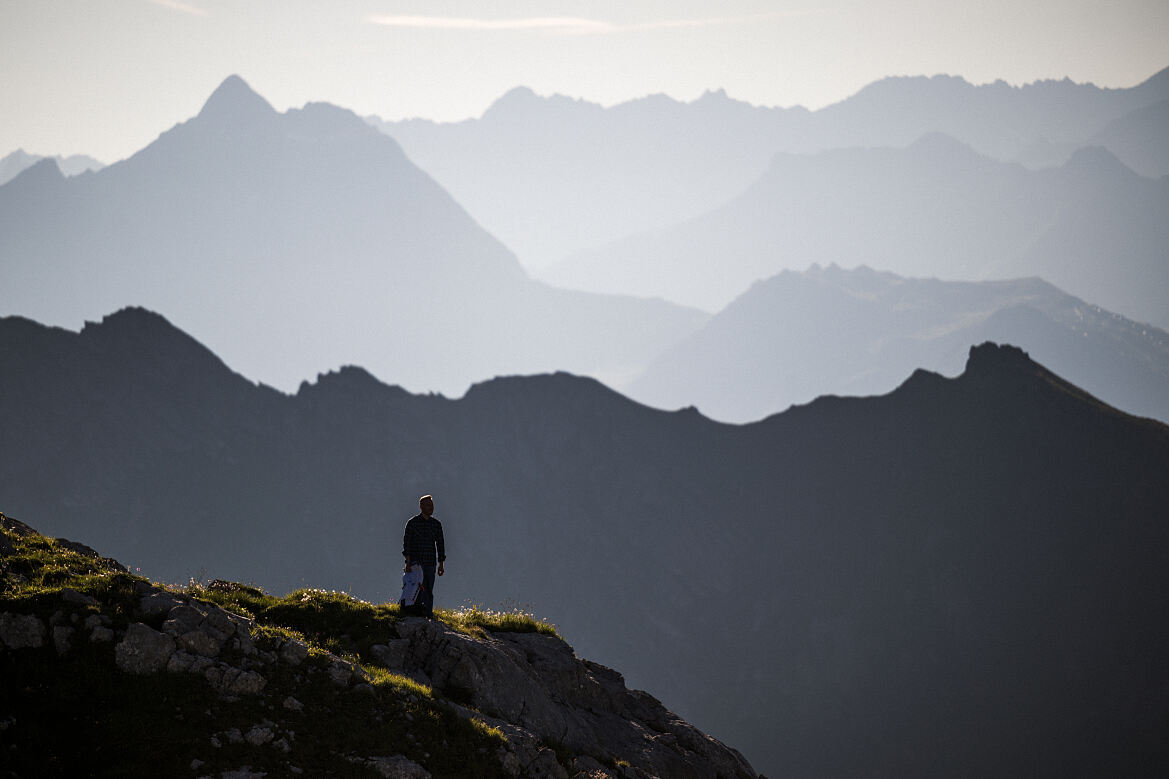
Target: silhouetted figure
{"x":423,"y":544}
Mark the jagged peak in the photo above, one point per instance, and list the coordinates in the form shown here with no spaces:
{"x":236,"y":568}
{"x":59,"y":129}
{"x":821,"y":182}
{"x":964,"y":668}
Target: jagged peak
{"x":349,"y":379}
{"x":44,"y":171}
{"x":989,"y":356}
{"x":234,"y":99}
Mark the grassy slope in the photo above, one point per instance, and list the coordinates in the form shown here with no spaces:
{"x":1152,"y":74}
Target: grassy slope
{"x":79,"y":715}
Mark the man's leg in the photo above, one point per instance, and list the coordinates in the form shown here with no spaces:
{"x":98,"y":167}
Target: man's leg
{"x":428,"y":592}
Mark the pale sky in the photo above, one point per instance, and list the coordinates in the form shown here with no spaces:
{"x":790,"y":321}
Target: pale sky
{"x":106,"y":78}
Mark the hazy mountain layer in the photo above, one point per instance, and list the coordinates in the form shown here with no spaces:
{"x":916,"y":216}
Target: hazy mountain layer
{"x":298,"y":242}
{"x":963,"y":577}
{"x":20,"y":160}
{"x":1139,"y":139}
{"x":553,"y":176}
{"x":796,"y":336}
{"x":937,"y":208}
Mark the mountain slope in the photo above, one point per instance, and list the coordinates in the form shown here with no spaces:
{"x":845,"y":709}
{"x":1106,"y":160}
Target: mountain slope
{"x":296,"y":242}
{"x":934,"y":581}
{"x":1092,"y":227}
{"x":796,"y":336}
{"x":1139,"y":139}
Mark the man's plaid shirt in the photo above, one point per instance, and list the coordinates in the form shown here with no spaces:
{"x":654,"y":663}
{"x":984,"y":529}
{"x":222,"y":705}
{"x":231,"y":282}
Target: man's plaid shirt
{"x":422,"y":537}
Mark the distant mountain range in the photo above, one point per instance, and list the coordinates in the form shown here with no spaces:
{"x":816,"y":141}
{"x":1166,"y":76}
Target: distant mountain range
{"x":963,"y":577}
{"x":797,"y":336}
{"x":298,"y":242}
{"x":21,"y":160}
{"x":1139,"y":139}
{"x":551,"y":176}
{"x":936,"y":208}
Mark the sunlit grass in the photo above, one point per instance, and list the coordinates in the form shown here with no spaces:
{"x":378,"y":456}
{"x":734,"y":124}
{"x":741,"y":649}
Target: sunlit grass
{"x":382,"y":678}
{"x":467,"y":619}
{"x":181,"y":711}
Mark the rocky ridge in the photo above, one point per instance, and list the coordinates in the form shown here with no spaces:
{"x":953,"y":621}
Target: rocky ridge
{"x":427,"y":698}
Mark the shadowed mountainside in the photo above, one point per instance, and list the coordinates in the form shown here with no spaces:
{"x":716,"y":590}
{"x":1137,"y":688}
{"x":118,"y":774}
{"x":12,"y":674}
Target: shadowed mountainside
{"x":963,"y":577}
{"x":827,"y":330}
{"x":315,"y":236}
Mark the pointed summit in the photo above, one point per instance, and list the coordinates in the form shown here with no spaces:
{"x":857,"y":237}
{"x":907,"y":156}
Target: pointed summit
{"x":1096,"y":162}
{"x":235,"y":100}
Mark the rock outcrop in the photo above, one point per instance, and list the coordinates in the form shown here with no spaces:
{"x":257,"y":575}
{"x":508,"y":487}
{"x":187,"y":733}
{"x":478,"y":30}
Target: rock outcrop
{"x":554,"y":714}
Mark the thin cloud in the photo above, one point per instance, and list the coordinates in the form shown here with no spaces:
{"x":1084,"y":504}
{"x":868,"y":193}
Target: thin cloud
{"x":563,"y":25}
{"x":176,"y":5}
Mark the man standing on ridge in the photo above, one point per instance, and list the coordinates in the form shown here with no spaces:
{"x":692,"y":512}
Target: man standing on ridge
{"x":423,"y":543}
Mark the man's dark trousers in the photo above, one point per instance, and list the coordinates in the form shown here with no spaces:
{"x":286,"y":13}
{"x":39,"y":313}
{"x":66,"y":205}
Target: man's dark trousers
{"x":428,"y":588}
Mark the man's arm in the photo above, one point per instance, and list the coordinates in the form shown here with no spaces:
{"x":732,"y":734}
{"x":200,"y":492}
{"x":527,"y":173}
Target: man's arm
{"x":441,"y":543}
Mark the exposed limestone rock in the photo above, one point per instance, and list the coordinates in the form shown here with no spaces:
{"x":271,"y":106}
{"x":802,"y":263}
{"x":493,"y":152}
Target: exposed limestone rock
{"x":181,"y":662}
{"x":227,"y":680}
{"x":21,"y":631}
{"x":143,"y":650}
{"x":157,"y":602}
{"x":101,"y":634}
{"x":77,"y":598}
{"x":204,"y":629}
{"x":292,"y":704}
{"x":535,"y":689}
{"x":391,"y":654}
{"x":260,"y":734}
{"x":293,"y":652}
{"x":95,"y":620}
{"x":63,"y":638}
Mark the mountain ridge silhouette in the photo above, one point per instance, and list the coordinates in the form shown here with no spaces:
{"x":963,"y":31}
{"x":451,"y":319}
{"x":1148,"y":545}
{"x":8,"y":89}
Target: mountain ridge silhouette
{"x":988,"y":546}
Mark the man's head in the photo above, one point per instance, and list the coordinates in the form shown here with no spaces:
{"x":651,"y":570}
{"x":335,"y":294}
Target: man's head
{"x":426,"y":505}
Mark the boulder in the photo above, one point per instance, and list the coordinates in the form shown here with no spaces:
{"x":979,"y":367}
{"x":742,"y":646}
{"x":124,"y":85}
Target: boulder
{"x":63,"y":638}
{"x":226,"y":680}
{"x":157,"y":602}
{"x":206,"y":642}
{"x":293,"y":652}
{"x":391,"y":654}
{"x":260,"y":734}
{"x":101,"y":634}
{"x":77,"y":598}
{"x":21,"y":631}
{"x":143,"y":650}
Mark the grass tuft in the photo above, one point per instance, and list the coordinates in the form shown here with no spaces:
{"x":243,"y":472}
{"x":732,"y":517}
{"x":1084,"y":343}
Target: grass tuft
{"x":474,"y":618}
